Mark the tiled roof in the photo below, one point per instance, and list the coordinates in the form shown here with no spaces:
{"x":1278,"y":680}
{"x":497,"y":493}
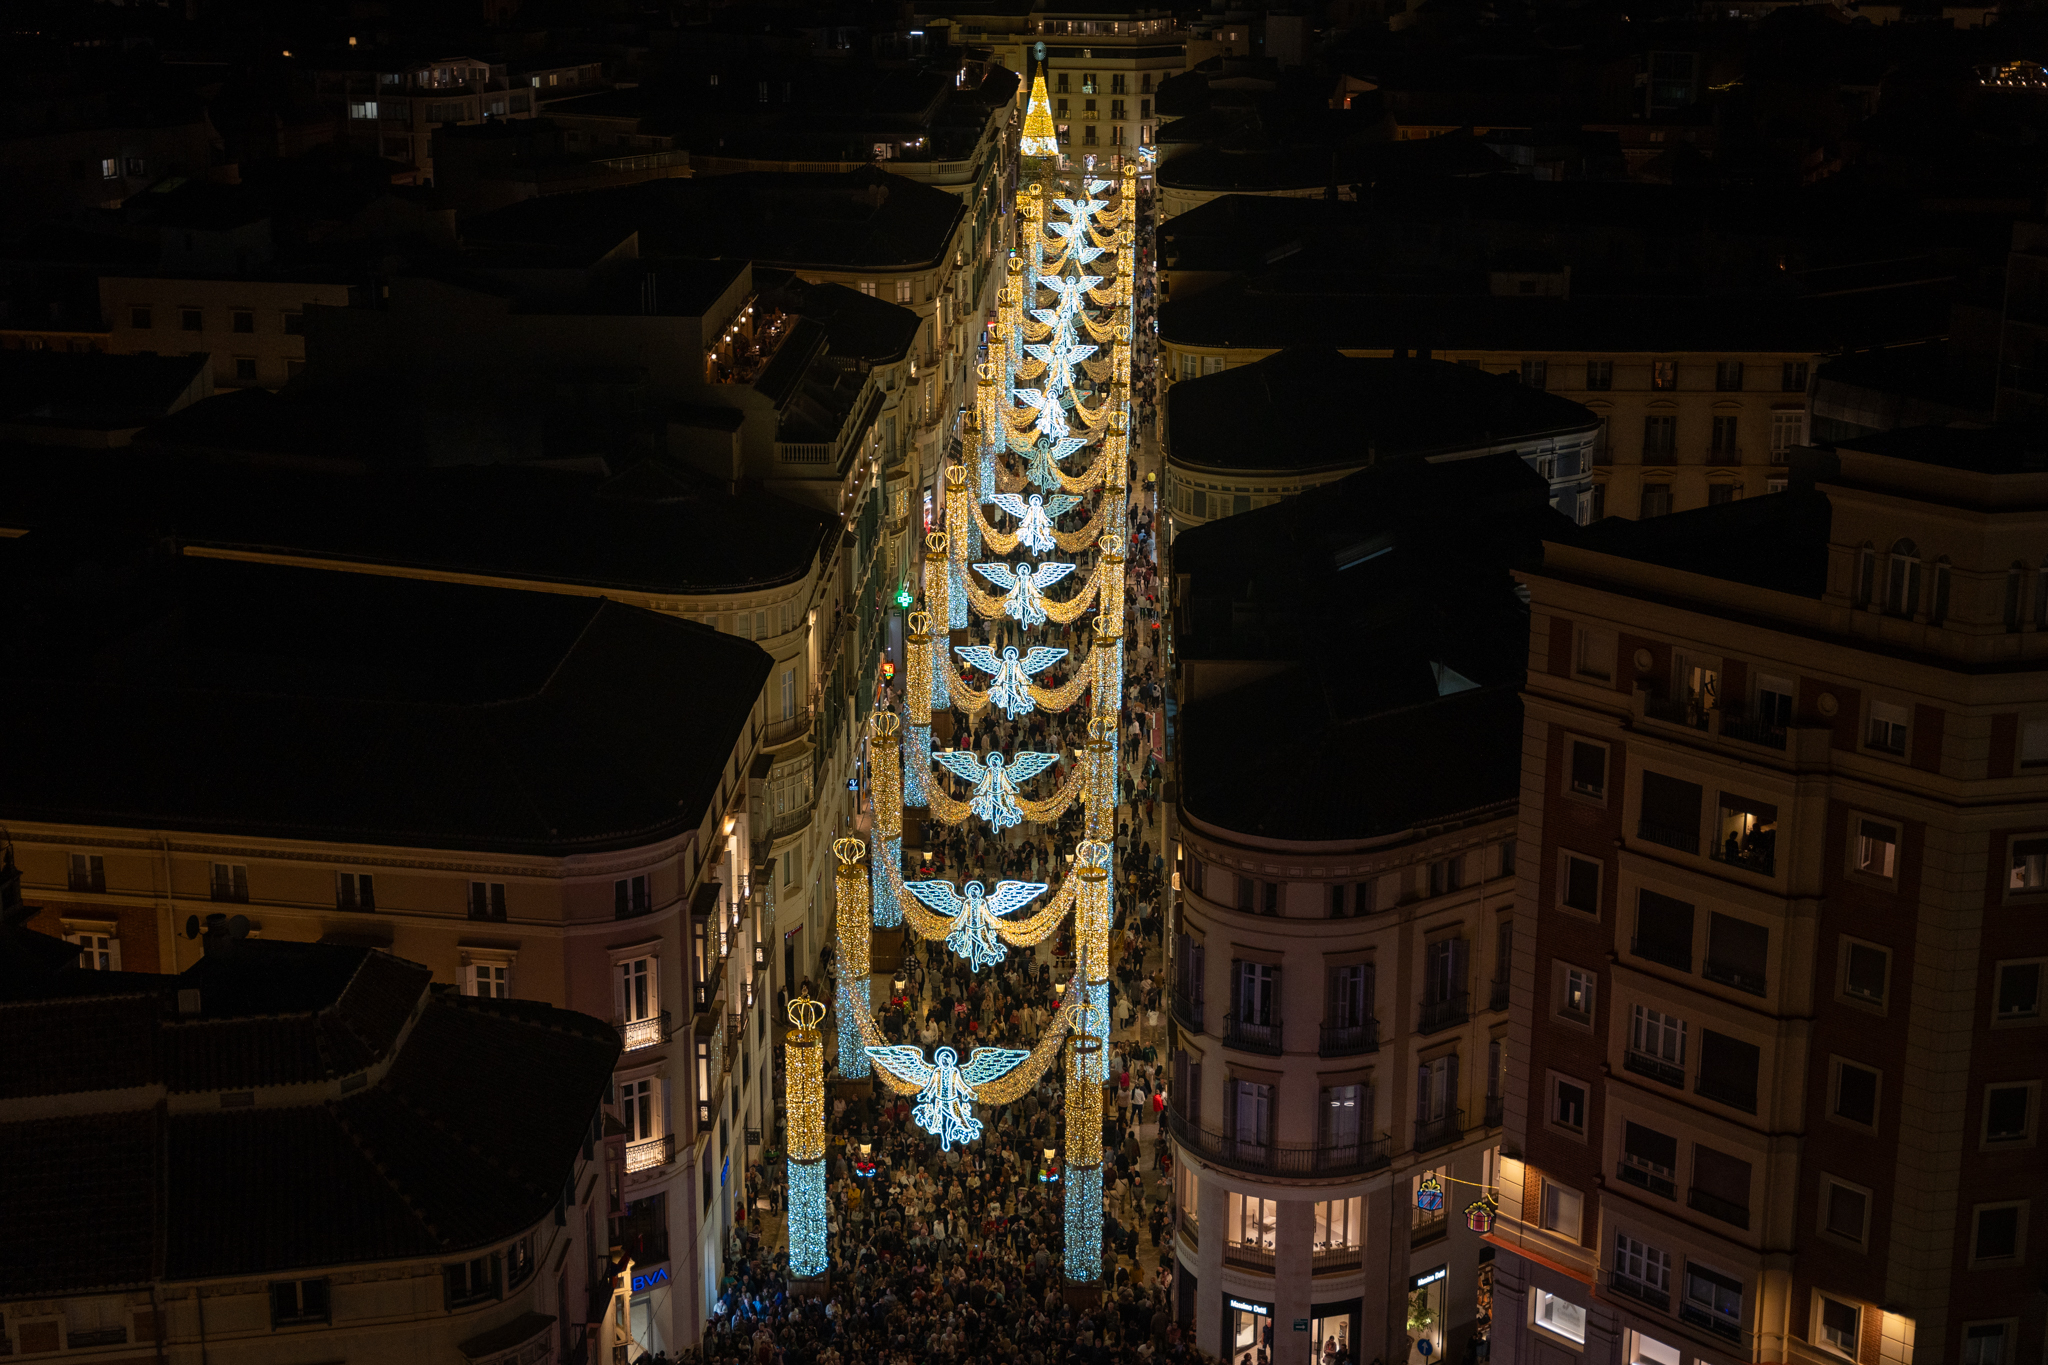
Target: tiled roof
{"x":82,"y":1202}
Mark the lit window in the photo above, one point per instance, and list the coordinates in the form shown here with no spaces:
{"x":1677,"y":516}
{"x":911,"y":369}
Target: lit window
{"x":1840,"y":1324}
{"x":1877,"y":847}
{"x":1562,"y":1208}
{"x":1561,"y":1316}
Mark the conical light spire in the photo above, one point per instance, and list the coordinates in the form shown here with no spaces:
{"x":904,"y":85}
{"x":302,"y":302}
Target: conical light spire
{"x":1040,"y":139}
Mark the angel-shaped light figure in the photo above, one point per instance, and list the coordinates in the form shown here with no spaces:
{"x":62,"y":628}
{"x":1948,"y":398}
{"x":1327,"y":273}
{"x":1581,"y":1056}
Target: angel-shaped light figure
{"x":974,"y":915}
{"x":1059,"y":358}
{"x":1052,"y":416}
{"x":945,"y":1104}
{"x":995,"y":783}
{"x":1070,"y":288}
{"x":1024,"y":588}
{"x":1034,"y":516}
{"x":1010,"y":690}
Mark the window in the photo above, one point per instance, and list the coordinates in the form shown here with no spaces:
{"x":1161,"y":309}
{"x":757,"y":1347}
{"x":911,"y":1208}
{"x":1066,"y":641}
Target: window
{"x":1252,"y":1113}
{"x":1877,"y":847}
{"x":1728,"y":376}
{"x":1443,"y":982}
{"x":2018,"y":996}
{"x":1738,"y":953}
{"x":487,"y":900}
{"x":629,"y":897}
{"x":1840,"y":1325}
{"x":1670,"y":812}
{"x":867,"y":287}
{"x":638,"y":997}
{"x":1425,"y":1223}
{"x":1536,"y":373}
{"x":1718,"y":493}
{"x":491,"y":980}
{"x":2034,"y":744}
{"x":1728,"y":1070}
{"x":1581,"y":884}
{"x":1595,"y":654}
{"x":1507,"y":858}
{"x":1562,"y":1208}
{"x":230,"y":882}
{"x":1560,"y":1315}
{"x":140,"y":319}
{"x":1252,"y":1222}
{"x":98,"y":951}
{"x":1342,"y":1116}
{"x":355,"y":891}
{"x":1855,"y":1097}
{"x":1339,"y":1225}
{"x":1984,"y":1343}
{"x":245,"y":369}
{"x":1713,"y":1301}
{"x":294,"y":324}
{"x":1650,"y":1351}
{"x":468,"y":1282}
{"x":293,"y":1302}
{"x":362,"y":109}
{"x":1888,"y":727}
{"x":1649,"y":1159}
{"x":1999,"y":1232}
{"x":1642,"y":1271}
{"x":88,"y":872}
{"x":1664,"y":375}
{"x":1722,"y":441}
{"x":903,"y":291}
{"x":1902,"y":581}
{"x":1351,"y":992}
{"x":1589,"y":769}
{"x":1663,"y":930}
{"x":1788,"y":429}
{"x":2008,"y":1112}
{"x":1865,"y":969}
{"x":1746,"y":834}
{"x":1436,"y":1089}
{"x":110,"y":168}
{"x":1660,"y":435}
{"x":1866,"y":576}
{"x":1792,"y":378}
{"x":1720,"y":1186}
{"x":190,"y":320}
{"x":1577,"y":1001}
{"x":1656,"y":1044}
{"x":1599,"y":375}
{"x":242,"y":320}
{"x":1446,"y":875}
{"x":636,"y":1108}
{"x":1656,"y":501}
{"x":1844,"y":1210}
{"x":2029,"y":865}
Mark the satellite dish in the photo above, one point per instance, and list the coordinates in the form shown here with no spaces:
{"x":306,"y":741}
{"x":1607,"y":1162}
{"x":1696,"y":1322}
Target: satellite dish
{"x":191,"y":926}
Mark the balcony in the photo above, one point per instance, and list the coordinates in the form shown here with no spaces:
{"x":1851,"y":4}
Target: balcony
{"x":706,"y":991}
{"x":639,"y":1033}
{"x":1277,"y":1158}
{"x":1335,"y":1260}
{"x":1733,"y":1093}
{"x":1643,"y":1178}
{"x":644,"y":1156}
{"x":1727,"y":975}
{"x":1246,"y":1036}
{"x":1714,"y":1206}
{"x":1674,"y":711}
{"x":1656,"y":1068}
{"x":1671,"y":836}
{"x":1438,"y":1015}
{"x":1752,"y":731}
{"x":1493,"y":1111}
{"x":1693,"y":1316}
{"x":1440,"y":1132}
{"x":1497,"y":996}
{"x":1758,"y":858}
{"x":1640,"y":1292}
{"x":1248,"y":1257}
{"x":1350,"y":1040}
{"x":1674,"y":955}
{"x":1187,"y":1009}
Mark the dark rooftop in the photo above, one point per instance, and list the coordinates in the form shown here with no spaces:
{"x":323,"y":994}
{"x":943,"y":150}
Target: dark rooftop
{"x":1313,"y":407}
{"x":50,"y":389}
{"x":464,"y":1141}
{"x":861,"y":219}
{"x":1386,"y":600}
{"x":1778,"y":542}
{"x":856,"y":325}
{"x":166,"y":691}
{"x":1978,"y":450}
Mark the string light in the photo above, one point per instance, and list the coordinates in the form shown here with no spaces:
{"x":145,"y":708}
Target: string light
{"x":855,"y":943}
{"x":804,"y":1070}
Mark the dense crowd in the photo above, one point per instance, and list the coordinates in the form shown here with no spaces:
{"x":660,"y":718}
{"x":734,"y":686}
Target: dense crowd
{"x":956,"y":1255}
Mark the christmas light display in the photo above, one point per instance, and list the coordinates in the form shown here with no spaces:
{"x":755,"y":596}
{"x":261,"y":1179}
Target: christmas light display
{"x":1040,"y":137}
{"x":885,"y":791}
{"x":974,"y":913}
{"x":856,"y":940}
{"x":1034,"y":517}
{"x":995,"y":781}
{"x":946,"y":1090}
{"x":1011,"y":689}
{"x":804,"y":1070}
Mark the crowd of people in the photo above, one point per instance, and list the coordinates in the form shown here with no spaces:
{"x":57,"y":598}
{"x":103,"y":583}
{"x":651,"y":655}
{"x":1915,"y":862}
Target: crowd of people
{"x":956,"y":1254}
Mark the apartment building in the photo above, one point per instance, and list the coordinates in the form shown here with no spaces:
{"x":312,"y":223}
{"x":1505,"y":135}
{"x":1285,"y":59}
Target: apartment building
{"x":1103,"y":67}
{"x":1776,"y":1038}
{"x":251,"y":327}
{"x":535,"y":795}
{"x":393,"y":105}
{"x":1344,"y":842}
{"x":252,"y":1160}
{"x":1244,"y":438}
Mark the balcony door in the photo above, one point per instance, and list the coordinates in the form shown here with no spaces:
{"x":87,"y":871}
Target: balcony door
{"x":1254,"y":1118}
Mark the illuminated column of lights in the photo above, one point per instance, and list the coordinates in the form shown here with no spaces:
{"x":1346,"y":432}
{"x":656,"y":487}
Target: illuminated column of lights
{"x":856,"y":938}
{"x":1108,"y":659}
{"x":938,"y":595}
{"x":960,"y":537}
{"x":994,"y":434}
{"x":885,"y":789}
{"x":1082,"y":1253}
{"x":917,"y":693}
{"x":804,"y":1072}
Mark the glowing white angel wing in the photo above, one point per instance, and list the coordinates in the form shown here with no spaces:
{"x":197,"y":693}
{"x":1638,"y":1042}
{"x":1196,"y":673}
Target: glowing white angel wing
{"x":1059,"y":229}
{"x":979,"y":656}
{"x":1084,"y":254}
{"x":1041,"y":658}
{"x":940,"y":896}
{"x":1010,"y":896}
{"x":986,"y":1064}
{"x":906,"y":1063}
{"x":1059,"y":504}
{"x":1048,"y":573}
{"x":1031,"y":398}
{"x":999,"y":574}
{"x":1022,"y":767}
{"x":1049,"y":316}
{"x":1009,"y":502}
{"x":1079,"y":207}
{"x":1062,"y":448}
{"x":960,"y":763}
{"x":1043,"y":351}
{"x":1095,"y":187}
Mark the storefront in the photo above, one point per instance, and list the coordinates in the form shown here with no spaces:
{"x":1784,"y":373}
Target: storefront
{"x":1426,"y":1303}
{"x":1332,"y":1328}
{"x":650,"y":1311}
{"x":1247,"y":1329}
